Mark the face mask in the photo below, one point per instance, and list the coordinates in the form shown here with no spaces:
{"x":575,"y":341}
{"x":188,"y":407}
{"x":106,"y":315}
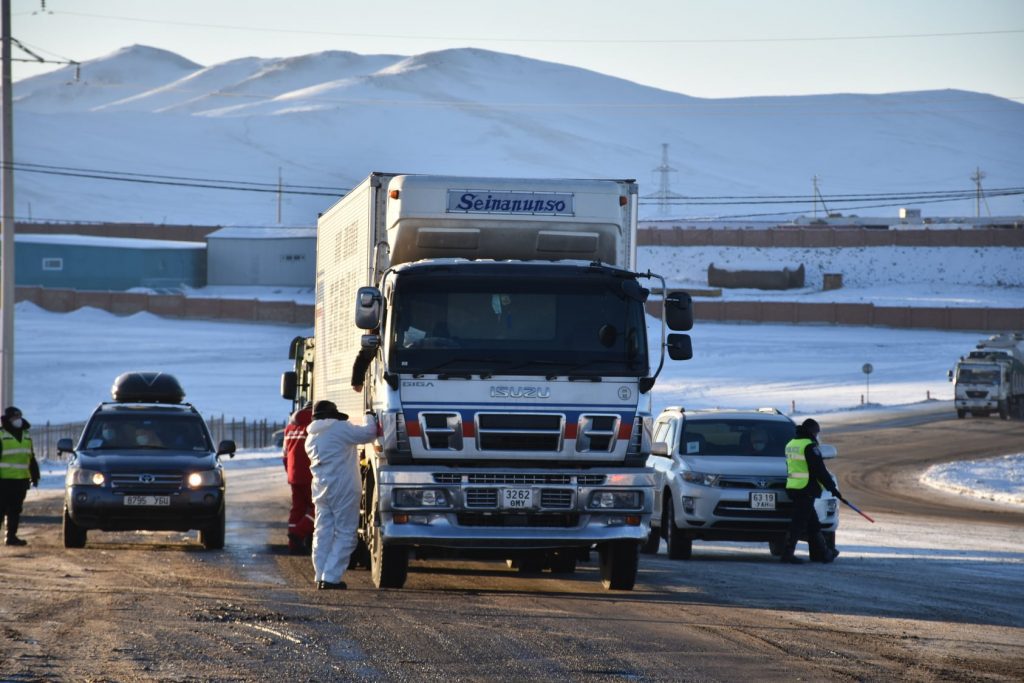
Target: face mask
{"x":16,"y":423}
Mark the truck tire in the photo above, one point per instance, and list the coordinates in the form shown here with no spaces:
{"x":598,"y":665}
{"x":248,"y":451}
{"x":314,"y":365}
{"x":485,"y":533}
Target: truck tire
{"x":619,"y":561}
{"x":679,"y":547}
{"x":1004,"y":410}
{"x":212,"y":537}
{"x":74,"y":535}
{"x":960,"y":414}
{"x":563,"y":561}
{"x":389,"y":564}
{"x":653,"y":542}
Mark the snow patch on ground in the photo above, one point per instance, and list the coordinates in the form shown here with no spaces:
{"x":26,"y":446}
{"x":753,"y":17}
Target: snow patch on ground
{"x":997,"y":479}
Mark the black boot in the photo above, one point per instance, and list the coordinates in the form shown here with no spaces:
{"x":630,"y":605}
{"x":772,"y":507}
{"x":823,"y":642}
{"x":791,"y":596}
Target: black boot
{"x":787,"y":553}
{"x":820,"y":550}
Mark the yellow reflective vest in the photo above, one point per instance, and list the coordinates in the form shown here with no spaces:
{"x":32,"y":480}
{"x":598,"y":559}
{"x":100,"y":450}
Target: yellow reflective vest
{"x":797,"y":474}
{"x":16,"y":457}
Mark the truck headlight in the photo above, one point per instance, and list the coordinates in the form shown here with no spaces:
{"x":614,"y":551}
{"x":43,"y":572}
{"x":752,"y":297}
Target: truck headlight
{"x":196,"y":480}
{"x":421,"y":498}
{"x":614,"y":500}
{"x":80,"y":477}
{"x":701,"y":478}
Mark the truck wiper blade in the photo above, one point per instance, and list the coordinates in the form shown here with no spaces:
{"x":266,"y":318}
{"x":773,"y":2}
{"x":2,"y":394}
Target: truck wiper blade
{"x":453,"y":361}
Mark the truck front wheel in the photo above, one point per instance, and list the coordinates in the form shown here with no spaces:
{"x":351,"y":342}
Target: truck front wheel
{"x":960,"y":414}
{"x":389,"y":564}
{"x":1004,"y":410}
{"x":619,"y":561}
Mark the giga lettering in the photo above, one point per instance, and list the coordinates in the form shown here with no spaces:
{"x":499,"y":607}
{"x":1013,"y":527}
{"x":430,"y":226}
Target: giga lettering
{"x":473,"y":202}
{"x":520,"y":392}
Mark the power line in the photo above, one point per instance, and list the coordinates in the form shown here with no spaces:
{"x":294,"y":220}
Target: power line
{"x":598,"y":41}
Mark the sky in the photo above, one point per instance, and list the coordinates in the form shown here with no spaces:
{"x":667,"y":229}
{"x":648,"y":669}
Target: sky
{"x":726,"y":48}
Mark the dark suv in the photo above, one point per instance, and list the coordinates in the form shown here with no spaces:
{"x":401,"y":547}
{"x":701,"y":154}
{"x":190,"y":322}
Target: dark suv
{"x":145,"y":462}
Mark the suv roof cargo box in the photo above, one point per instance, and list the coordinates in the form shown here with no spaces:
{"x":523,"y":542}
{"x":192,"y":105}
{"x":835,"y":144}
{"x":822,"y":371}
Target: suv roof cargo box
{"x":147,"y":387}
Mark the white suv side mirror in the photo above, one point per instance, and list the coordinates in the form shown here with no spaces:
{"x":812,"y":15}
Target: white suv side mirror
{"x":828,"y":451}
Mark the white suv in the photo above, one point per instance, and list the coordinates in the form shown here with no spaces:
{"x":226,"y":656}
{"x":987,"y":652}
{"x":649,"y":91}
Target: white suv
{"x":722,"y":477}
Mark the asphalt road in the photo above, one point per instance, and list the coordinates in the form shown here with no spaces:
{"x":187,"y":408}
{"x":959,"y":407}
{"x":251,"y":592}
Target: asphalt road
{"x":156,"y":607}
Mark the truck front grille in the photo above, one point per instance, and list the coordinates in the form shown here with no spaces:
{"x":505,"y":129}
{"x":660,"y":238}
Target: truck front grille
{"x":531,"y":432}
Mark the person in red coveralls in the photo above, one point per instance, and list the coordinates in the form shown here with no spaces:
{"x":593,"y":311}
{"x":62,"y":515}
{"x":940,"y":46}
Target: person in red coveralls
{"x":296,"y":463}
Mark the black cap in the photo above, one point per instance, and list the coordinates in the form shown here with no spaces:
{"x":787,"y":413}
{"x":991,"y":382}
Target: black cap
{"x":811,"y":426}
{"x":11,"y":411}
{"x":326,"y":410}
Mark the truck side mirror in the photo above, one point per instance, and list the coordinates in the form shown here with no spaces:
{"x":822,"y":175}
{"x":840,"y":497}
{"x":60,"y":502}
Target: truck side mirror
{"x":369,"y":306}
{"x":949,"y":375}
{"x":369,"y":341}
{"x":659,"y":448}
{"x":679,"y":347}
{"x":679,"y":311}
{"x":289,"y":381}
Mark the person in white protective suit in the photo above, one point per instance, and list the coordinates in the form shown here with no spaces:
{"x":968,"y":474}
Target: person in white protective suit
{"x":333,"y":460}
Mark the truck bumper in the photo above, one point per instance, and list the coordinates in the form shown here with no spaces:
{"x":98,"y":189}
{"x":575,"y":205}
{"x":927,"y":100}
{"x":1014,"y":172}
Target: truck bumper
{"x":565,"y":507}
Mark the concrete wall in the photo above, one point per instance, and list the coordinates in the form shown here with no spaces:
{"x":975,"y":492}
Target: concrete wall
{"x":827,"y":237}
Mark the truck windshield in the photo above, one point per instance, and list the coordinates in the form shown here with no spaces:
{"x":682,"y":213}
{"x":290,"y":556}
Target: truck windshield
{"x":978,"y":376}
{"x":588,"y":325}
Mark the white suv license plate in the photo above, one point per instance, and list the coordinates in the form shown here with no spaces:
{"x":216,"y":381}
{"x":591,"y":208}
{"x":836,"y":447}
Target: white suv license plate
{"x":147,"y":500}
{"x":517,"y":499}
{"x":762,"y":500}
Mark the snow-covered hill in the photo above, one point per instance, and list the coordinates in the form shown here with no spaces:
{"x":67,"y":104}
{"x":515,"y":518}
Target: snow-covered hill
{"x":328,"y":119}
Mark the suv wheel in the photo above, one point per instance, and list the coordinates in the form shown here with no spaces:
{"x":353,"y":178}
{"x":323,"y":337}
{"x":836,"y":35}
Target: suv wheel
{"x":679,"y":547}
{"x":212,"y":537}
{"x":74,"y":535}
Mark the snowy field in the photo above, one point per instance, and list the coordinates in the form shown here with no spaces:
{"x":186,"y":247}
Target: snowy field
{"x":66,"y":364}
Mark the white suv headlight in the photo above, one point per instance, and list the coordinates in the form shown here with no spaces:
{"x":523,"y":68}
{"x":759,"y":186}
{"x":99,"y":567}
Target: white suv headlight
{"x":701,"y":478}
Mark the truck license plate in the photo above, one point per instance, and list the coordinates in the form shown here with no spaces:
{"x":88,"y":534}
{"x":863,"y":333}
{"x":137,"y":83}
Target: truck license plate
{"x":147,"y":500}
{"x":761,"y":500}
{"x":516,"y":499}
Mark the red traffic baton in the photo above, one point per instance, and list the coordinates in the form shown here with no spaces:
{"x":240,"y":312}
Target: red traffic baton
{"x":858,"y":510}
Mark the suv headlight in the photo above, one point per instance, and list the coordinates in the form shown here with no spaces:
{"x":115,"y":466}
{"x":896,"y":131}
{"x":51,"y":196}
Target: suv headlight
{"x":80,"y":477}
{"x":197,"y":480}
{"x":421,"y":498}
{"x":700,"y":478}
{"x":614,"y":500}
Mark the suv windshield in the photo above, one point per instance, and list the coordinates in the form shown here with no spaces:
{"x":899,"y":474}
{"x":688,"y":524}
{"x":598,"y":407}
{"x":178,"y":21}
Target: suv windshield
{"x":732,"y":436}
{"x":529,"y":325}
{"x":113,"y":432}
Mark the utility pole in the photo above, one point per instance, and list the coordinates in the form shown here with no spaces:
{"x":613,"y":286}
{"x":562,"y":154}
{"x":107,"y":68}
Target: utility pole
{"x":978,"y":176}
{"x":816,"y":197}
{"x":279,"y":195}
{"x":6,"y":213}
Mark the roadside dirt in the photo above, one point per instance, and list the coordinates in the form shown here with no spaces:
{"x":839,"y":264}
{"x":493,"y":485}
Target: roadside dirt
{"x":157,"y":607}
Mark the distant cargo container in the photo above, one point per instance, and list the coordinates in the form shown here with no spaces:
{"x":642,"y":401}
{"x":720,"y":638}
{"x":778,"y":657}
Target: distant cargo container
{"x":107,"y":263}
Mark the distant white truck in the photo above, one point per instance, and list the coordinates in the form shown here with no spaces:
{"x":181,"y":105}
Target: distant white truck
{"x":503,"y":334}
{"x":990,"y":379}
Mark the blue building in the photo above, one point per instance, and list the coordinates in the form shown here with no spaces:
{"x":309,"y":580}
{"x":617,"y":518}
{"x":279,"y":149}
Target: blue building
{"x":107,"y":263}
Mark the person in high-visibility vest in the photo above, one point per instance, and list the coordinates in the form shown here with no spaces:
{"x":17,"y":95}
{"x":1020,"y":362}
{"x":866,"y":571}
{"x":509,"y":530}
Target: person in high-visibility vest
{"x":806,"y":477}
{"x":18,"y":470}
